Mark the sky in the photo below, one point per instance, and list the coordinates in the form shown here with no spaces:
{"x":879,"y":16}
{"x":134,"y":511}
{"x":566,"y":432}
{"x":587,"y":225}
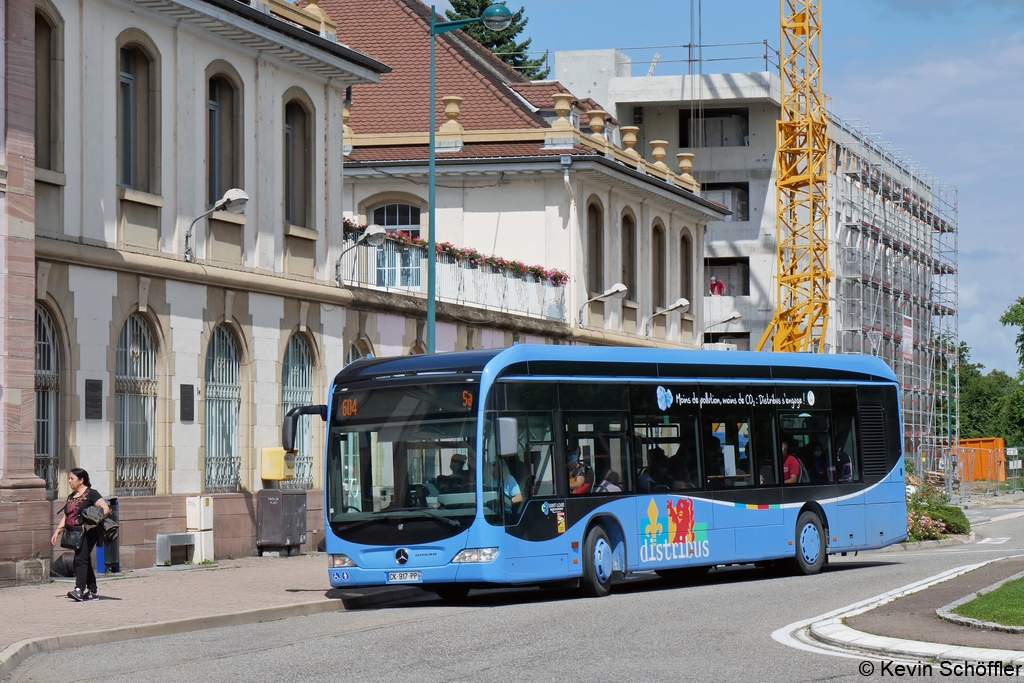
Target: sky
{"x":941,"y":80}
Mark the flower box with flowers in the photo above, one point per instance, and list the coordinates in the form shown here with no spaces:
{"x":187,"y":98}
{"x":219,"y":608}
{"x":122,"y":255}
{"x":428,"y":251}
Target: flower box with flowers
{"x":471,"y":258}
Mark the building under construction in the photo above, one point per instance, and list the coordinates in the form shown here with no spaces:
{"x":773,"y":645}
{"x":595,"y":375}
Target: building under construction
{"x":894,"y":253}
{"x":892,"y":228}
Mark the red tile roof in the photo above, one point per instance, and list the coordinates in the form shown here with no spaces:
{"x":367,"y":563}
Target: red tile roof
{"x":397,"y":32}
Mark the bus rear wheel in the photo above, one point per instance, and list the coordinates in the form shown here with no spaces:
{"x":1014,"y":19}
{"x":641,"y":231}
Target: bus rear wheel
{"x":597,"y":564}
{"x":810,"y":544}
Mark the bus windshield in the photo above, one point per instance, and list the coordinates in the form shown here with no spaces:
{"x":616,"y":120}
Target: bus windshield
{"x":405,"y":451}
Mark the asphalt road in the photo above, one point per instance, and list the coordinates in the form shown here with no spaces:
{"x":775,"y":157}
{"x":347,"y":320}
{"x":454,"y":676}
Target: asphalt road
{"x":647,"y":630}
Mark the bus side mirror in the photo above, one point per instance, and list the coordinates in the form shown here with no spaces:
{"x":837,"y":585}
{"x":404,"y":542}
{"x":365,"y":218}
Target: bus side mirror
{"x":291,"y":424}
{"x":507,"y":436}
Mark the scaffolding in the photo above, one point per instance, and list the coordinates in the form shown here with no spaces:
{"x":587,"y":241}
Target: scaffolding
{"x":894,"y":244}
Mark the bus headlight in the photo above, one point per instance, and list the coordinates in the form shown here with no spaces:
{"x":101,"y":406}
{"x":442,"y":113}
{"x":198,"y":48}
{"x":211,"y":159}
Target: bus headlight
{"x":338,"y":561}
{"x":476,"y":555}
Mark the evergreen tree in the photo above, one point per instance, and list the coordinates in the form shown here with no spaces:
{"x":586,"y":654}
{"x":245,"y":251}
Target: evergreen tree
{"x":502,"y":43}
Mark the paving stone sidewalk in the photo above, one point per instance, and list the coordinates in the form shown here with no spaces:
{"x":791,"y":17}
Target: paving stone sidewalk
{"x":164,"y":594}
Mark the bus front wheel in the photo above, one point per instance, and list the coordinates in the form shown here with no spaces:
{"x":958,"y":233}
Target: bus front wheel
{"x":810,"y":544}
{"x":597,"y":564}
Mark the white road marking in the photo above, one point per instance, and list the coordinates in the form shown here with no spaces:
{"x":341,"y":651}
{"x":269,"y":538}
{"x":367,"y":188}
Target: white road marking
{"x":994,"y":541}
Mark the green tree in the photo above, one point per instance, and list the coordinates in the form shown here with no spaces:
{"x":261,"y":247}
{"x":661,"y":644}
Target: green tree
{"x":1014,"y":316}
{"x":502,"y":43}
{"x":990,"y":405}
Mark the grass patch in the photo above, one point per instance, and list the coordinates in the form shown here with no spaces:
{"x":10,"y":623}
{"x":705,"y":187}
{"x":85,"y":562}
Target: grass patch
{"x":1004,"y":605}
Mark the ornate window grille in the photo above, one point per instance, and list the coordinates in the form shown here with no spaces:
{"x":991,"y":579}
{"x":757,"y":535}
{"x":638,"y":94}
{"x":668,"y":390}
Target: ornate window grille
{"x":223,"y":399}
{"x":135,"y":410}
{"x":47,"y":402}
{"x":297,"y":390}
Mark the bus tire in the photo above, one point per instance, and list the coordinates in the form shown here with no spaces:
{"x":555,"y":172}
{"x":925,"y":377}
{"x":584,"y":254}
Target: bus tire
{"x":810,"y":544}
{"x":597,"y":564}
{"x":452,"y":593}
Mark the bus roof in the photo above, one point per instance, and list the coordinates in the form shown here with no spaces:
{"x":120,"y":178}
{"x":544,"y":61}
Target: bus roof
{"x":612,"y":361}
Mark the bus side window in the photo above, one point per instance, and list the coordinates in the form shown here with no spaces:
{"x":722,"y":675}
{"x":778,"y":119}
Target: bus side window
{"x":844,"y":424}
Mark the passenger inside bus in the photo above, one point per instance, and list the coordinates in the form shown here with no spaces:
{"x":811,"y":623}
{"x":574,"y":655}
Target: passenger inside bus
{"x":581,"y":475}
{"x":453,"y":483}
{"x":655,"y":478}
{"x":791,"y":467}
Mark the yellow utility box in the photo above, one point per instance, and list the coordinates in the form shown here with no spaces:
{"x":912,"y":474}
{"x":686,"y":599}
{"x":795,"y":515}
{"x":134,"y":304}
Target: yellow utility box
{"x":278,"y":464}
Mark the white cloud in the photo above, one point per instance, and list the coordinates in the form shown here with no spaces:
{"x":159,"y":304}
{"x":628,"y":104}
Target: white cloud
{"x":960,"y":115}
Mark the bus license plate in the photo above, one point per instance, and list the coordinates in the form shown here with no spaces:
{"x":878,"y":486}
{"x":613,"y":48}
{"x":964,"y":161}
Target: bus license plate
{"x":404,"y":577}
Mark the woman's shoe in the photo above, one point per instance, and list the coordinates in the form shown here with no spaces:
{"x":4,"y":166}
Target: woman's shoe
{"x":78,"y":595}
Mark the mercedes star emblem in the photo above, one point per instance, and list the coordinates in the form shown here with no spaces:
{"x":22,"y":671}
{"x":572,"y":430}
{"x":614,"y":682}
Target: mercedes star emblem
{"x":401,"y":556}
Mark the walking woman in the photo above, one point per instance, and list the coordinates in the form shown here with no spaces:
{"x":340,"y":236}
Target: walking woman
{"x":82,"y":496}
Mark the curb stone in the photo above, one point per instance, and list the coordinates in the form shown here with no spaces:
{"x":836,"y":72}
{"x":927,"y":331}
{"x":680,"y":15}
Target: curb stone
{"x":958,"y":539}
{"x":15,"y":654}
{"x":946,"y":611}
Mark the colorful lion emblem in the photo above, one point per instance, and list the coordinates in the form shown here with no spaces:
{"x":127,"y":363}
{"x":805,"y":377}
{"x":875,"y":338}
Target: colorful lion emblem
{"x":680,"y":521}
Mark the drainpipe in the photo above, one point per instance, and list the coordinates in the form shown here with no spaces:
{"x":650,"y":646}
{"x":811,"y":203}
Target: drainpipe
{"x":573,"y":229}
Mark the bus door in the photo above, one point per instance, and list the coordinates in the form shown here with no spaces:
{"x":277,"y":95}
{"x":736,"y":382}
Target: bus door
{"x":738,"y":461}
{"x":598,"y":470}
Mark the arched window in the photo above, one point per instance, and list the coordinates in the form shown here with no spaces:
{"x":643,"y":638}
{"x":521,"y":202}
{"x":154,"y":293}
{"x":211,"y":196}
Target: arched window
{"x":135,"y":410}
{"x":223,"y":138}
{"x":48,"y":96}
{"x":595,"y":248}
{"x":47,"y":402}
{"x":223,"y":400}
{"x":138,"y":110}
{"x":404,"y":217}
{"x":297,"y":390}
{"x":629,"y":255}
{"x":686,"y":268}
{"x":659,"y":298}
{"x":360,"y":349}
{"x":298,"y":164}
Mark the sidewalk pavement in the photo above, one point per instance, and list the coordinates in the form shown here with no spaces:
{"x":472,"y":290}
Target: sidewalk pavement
{"x":164,"y":600}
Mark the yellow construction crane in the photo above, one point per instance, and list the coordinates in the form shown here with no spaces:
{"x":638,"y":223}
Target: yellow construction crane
{"x":801,"y":186}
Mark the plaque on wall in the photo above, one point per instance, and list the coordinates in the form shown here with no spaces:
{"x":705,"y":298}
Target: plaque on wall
{"x":188,"y":403}
{"x":93,"y":399}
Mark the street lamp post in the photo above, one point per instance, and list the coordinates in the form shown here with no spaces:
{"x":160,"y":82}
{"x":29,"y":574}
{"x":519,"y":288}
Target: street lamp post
{"x":495,"y":18}
{"x":617,"y":291}
{"x":374,"y":235}
{"x":680,"y":304}
{"x":735,"y":315}
{"x":234,"y":200}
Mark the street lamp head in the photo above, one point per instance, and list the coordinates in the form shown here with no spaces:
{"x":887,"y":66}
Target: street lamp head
{"x":681,"y":304}
{"x":374,"y":235}
{"x":616,"y":291}
{"x":497,"y":17}
{"x":735,"y":315}
{"x":234,"y":200}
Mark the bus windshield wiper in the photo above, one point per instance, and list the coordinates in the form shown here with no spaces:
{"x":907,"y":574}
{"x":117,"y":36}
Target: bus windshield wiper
{"x":359,"y":523}
{"x":429,"y":513}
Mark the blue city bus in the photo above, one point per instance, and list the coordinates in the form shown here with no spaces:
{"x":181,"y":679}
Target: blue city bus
{"x":536,"y":464}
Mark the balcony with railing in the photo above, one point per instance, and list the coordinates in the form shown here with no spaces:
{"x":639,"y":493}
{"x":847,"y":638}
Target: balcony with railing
{"x":398,"y":267}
